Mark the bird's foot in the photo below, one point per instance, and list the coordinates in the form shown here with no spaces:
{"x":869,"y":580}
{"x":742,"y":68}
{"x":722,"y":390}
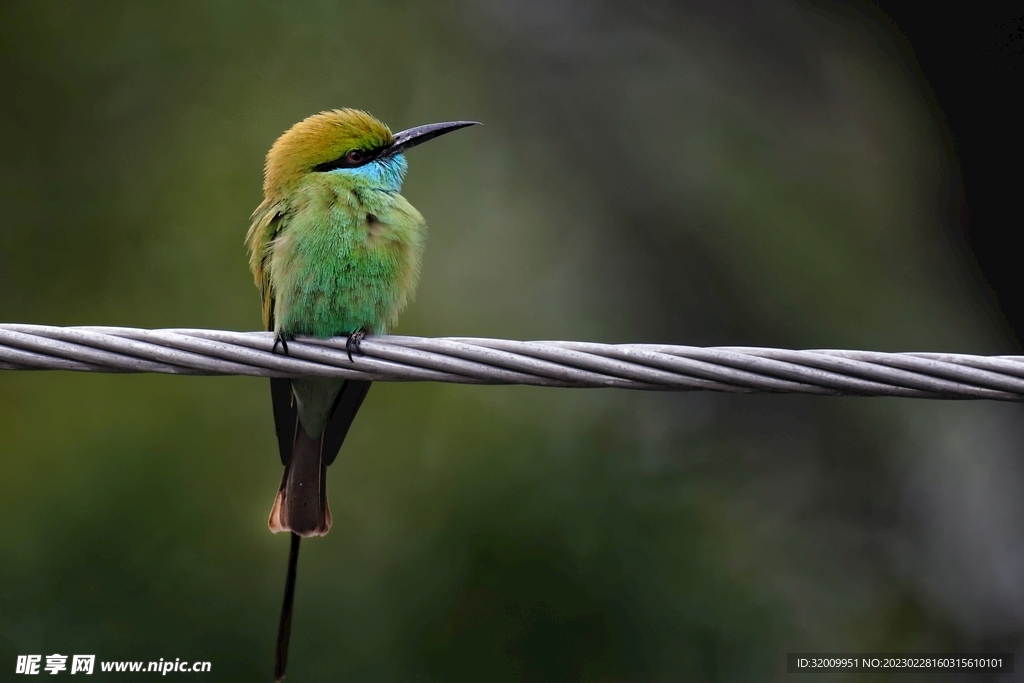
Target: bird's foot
{"x":353,"y":342}
{"x":281,"y":339}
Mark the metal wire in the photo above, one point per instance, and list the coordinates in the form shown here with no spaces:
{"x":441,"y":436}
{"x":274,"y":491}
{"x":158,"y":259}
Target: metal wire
{"x":501,"y":361}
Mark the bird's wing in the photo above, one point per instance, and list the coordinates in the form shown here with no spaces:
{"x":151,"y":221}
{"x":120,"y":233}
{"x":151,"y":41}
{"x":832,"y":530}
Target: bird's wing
{"x":351,"y":396}
{"x":286,"y":416}
{"x":268,"y":220}
{"x":267,"y":223}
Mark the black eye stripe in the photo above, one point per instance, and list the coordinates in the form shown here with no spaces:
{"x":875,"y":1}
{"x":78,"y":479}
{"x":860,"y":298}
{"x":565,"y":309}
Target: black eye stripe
{"x":344,"y":162}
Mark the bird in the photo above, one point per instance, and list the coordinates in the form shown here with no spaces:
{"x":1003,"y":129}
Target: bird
{"x":335,"y":250}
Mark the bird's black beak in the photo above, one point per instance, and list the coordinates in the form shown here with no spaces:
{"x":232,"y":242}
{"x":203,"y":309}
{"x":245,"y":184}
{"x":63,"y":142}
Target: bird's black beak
{"x":408,"y":139}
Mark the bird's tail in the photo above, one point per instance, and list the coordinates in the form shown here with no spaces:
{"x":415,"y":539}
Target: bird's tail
{"x":301,"y":503}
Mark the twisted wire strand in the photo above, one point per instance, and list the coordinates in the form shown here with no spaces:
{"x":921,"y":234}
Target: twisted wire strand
{"x":657,"y":367}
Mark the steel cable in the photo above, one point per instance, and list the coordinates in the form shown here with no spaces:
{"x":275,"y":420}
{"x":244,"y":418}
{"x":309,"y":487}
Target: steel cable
{"x":501,"y":361}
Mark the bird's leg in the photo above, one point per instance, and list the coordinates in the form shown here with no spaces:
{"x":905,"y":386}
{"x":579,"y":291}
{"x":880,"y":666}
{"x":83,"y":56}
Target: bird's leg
{"x":353,"y":342}
{"x":282,"y":339}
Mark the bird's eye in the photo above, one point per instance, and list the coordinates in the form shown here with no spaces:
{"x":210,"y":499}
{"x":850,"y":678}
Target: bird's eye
{"x":350,"y":159}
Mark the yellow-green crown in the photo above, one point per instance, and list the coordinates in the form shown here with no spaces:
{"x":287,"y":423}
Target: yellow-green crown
{"x":319,"y":139}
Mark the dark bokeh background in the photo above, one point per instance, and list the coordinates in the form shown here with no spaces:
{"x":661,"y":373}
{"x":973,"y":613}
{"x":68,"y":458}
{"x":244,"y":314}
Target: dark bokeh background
{"x":770,"y":173}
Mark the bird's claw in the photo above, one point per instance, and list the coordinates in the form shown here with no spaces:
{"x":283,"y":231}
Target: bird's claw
{"x":283,"y":341}
{"x":353,"y":342}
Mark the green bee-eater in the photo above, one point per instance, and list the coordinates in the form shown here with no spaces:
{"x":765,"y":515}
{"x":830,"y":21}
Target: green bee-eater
{"x":335,"y":250}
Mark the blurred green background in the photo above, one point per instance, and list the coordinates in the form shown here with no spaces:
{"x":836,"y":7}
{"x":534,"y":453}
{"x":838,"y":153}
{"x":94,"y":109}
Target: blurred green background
{"x":767,"y":174}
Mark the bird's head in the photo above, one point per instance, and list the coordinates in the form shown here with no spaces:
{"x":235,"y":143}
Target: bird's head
{"x":348,"y":142}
